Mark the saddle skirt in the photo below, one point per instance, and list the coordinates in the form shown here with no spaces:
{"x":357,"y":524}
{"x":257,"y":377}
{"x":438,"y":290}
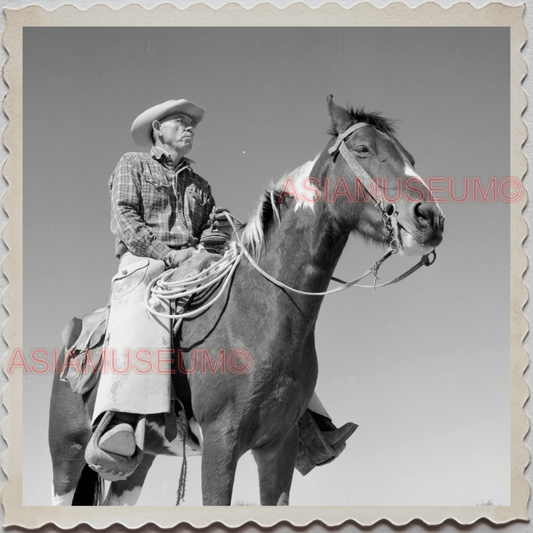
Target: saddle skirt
{"x":83,"y":339}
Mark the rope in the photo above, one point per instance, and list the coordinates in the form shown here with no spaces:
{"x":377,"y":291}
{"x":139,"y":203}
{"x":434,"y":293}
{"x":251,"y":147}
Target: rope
{"x":347,"y":285}
{"x":183,"y":476}
{"x":161,"y":289}
{"x":353,"y":283}
{"x":424,"y":261}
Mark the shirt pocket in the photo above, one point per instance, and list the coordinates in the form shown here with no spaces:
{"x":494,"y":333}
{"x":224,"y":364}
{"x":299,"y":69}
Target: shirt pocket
{"x":155,"y":193}
{"x":197,"y":197}
{"x":196,"y":208}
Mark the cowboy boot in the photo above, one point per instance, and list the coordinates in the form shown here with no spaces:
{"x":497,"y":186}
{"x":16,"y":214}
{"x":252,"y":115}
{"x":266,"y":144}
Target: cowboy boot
{"x":320,"y":441}
{"x":109,"y":464}
{"x":119,"y":435}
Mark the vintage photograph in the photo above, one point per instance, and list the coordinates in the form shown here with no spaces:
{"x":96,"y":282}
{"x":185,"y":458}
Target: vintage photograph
{"x":200,"y":208}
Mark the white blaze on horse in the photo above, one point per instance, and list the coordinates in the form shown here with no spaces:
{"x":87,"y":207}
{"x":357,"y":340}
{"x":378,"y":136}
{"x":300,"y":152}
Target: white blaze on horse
{"x":296,"y":237}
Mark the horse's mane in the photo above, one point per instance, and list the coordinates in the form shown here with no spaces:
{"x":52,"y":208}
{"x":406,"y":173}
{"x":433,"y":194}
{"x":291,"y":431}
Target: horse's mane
{"x":268,"y":208}
{"x":253,"y":235}
{"x":386,"y":125}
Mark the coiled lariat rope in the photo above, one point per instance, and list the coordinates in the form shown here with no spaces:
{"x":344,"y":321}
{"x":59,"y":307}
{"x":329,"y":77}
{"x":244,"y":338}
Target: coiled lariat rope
{"x":162,"y":289}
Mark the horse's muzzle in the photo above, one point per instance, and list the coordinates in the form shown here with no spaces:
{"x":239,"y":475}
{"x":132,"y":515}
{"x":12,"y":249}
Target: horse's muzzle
{"x":429,"y":223}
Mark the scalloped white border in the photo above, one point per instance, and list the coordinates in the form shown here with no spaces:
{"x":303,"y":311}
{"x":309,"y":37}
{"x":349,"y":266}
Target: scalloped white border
{"x":296,"y":14}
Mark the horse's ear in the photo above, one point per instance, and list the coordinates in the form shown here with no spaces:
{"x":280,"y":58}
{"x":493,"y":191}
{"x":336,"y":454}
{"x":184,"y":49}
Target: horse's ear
{"x":340,"y":118}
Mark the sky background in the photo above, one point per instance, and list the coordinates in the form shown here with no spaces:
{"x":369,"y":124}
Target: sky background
{"x":422,"y":366}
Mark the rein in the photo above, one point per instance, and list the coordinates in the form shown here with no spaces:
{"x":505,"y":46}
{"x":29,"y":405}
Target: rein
{"x":162,"y":289}
{"x":424,"y":261}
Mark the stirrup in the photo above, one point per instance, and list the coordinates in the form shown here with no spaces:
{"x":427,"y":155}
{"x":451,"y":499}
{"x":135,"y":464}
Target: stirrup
{"x":108,"y":465}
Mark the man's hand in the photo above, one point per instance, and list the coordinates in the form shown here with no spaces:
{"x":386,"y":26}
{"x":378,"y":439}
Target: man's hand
{"x":220,"y":221}
{"x":176,"y":257}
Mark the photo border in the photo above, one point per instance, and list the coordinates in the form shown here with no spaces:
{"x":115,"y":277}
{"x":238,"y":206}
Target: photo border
{"x":397,"y":14}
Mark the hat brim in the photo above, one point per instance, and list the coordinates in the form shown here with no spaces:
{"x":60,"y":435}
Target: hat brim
{"x":141,"y":129}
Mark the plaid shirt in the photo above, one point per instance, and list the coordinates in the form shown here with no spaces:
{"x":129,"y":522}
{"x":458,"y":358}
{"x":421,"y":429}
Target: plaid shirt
{"x":155,"y":208}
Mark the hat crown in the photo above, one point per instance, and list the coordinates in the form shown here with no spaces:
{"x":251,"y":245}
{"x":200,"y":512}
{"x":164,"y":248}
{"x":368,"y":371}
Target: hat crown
{"x":141,"y":129}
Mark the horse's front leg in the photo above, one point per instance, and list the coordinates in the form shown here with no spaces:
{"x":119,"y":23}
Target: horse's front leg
{"x":219,"y":463}
{"x":127,"y":491}
{"x":276,"y":467}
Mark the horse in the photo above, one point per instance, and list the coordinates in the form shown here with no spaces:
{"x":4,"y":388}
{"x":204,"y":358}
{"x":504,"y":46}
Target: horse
{"x":269,"y":311}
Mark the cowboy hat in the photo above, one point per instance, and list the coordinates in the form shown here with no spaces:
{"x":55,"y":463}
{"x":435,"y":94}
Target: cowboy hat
{"x":141,"y":129}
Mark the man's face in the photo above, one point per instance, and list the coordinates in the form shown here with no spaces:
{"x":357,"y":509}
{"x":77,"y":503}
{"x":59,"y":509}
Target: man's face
{"x":178,"y":132}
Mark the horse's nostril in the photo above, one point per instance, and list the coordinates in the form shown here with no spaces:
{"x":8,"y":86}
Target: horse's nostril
{"x":419,"y":211}
{"x":425,"y":213}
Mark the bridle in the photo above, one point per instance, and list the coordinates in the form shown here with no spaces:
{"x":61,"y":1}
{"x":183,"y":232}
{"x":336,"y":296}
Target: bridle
{"x":389,"y":219}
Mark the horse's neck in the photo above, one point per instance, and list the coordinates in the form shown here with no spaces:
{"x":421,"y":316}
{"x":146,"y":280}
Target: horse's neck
{"x":304,"y":251}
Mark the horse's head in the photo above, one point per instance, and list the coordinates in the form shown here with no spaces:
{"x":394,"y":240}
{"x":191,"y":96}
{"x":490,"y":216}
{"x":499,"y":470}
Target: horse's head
{"x":372,"y":187}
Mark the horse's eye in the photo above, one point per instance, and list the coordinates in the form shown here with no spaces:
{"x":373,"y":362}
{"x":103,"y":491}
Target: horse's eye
{"x":362,"y":150}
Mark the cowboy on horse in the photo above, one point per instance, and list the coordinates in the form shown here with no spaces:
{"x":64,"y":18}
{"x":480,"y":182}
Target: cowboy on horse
{"x":163,"y":215}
